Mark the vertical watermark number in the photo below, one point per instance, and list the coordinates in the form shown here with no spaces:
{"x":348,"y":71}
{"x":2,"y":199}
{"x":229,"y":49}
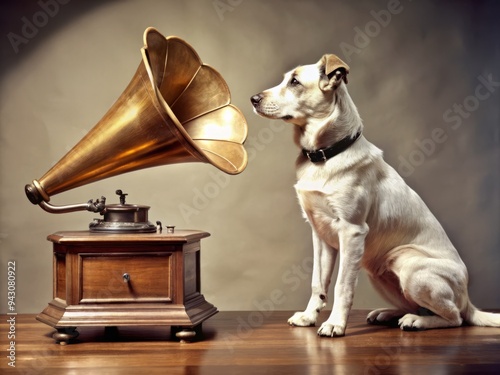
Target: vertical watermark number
{"x":11,"y":312}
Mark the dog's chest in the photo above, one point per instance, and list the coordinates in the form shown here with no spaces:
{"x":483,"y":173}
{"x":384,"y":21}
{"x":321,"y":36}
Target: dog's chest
{"x":319,"y":208}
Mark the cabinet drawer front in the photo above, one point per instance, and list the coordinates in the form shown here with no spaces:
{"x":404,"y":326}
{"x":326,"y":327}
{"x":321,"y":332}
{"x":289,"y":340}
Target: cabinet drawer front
{"x":103,"y":278}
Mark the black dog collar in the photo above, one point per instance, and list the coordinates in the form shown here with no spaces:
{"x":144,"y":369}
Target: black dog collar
{"x":323,"y":154}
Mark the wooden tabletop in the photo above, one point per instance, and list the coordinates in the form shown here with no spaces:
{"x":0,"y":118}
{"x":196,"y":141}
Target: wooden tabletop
{"x":254,"y":342}
{"x":181,"y":235}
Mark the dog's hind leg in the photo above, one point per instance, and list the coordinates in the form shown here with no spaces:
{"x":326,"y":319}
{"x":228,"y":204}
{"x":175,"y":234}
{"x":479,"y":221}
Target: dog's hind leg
{"x":438,"y":285}
{"x":388,"y":286}
{"x":323,"y":264}
{"x":438,"y":297}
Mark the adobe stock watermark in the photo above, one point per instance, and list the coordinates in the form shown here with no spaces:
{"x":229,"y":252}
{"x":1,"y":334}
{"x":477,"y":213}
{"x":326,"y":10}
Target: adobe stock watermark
{"x":39,"y":361}
{"x":454,"y":118}
{"x":364,"y":35}
{"x":291,"y":279}
{"x":382,"y":362}
{"x":12,"y":312}
{"x":32,"y":25}
{"x":202,"y":197}
{"x":223,"y":6}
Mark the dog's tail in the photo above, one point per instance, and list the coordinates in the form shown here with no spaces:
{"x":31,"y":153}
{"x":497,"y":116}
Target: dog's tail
{"x":476,"y":317}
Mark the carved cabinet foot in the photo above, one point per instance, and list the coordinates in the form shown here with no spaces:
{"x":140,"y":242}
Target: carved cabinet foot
{"x":63,"y":336}
{"x":186,"y":334}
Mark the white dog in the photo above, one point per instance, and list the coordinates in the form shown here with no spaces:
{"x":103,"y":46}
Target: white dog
{"x":360,"y":208}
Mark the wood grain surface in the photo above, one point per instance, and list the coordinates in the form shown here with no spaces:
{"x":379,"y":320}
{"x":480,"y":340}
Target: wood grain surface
{"x":252,"y":342}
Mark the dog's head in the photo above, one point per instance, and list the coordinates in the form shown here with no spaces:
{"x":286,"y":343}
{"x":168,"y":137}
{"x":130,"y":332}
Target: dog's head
{"x":305,"y":92}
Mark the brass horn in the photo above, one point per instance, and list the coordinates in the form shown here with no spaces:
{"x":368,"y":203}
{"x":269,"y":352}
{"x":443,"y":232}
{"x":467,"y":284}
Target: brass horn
{"x":174,"y":110}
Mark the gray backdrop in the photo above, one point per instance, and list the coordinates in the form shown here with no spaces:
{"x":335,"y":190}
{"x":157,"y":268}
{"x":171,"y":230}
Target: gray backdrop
{"x":424,"y":75}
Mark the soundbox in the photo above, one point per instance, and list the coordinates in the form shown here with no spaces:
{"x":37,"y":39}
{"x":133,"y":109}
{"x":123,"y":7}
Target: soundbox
{"x":176,"y":109}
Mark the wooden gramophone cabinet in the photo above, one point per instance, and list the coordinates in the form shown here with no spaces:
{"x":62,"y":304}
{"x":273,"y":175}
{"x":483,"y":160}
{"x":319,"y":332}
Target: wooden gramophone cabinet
{"x":113,"y":280}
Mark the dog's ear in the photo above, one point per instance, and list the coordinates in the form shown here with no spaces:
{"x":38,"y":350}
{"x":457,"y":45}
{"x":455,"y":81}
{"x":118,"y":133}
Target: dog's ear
{"x":332,"y":70}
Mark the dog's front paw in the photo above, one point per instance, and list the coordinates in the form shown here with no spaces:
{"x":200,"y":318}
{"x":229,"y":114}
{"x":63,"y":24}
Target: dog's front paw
{"x":302,"y":319}
{"x":331,"y":330}
{"x":412,"y":322}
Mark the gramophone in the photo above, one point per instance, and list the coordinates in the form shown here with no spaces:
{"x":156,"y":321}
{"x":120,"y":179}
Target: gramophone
{"x":124,"y":270}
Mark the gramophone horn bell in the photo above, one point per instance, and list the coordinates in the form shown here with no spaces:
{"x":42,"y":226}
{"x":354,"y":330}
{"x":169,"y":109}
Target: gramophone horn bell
{"x":174,"y":110}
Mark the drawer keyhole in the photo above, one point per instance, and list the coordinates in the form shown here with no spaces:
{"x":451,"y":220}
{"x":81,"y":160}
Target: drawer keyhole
{"x":126,"y":277}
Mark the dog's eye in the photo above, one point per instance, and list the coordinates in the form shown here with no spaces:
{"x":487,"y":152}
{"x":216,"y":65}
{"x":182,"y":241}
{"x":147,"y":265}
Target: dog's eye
{"x":294,"y":82}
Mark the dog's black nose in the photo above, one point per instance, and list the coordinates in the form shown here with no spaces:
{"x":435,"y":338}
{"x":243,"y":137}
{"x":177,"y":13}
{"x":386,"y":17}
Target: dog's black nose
{"x":256,"y":99}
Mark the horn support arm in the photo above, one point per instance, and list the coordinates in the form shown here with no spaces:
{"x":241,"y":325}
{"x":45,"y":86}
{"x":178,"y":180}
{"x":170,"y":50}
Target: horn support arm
{"x":98,"y":206}
{"x":37,"y":195}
